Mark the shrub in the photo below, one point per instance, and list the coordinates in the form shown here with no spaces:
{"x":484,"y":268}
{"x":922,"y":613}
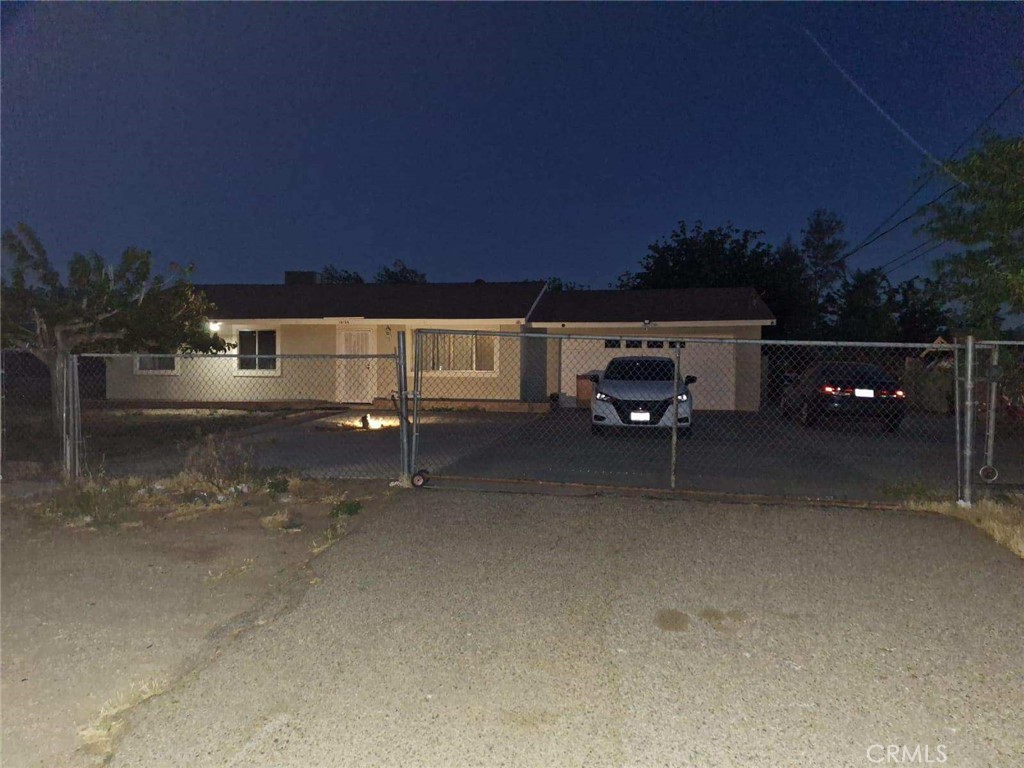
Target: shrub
{"x":276,"y":486}
{"x":221,"y":462}
{"x":98,"y":500}
{"x":345,"y":509}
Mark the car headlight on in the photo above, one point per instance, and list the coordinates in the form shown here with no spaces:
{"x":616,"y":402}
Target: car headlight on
{"x":682,"y":397}
{"x":602,"y":396}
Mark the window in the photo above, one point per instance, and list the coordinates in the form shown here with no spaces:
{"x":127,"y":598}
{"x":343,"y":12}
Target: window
{"x":257,"y":350}
{"x":612,"y":343}
{"x":677,"y":345}
{"x":165,"y":364}
{"x":459,"y":353}
{"x":634,"y":343}
{"x":655,"y":344}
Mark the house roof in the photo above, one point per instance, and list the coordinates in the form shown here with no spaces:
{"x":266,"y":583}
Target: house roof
{"x":439,"y":301}
{"x":656,"y":305}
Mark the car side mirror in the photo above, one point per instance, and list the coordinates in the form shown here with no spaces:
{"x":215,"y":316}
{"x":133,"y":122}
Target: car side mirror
{"x":690,"y":380}
{"x":594,"y":378}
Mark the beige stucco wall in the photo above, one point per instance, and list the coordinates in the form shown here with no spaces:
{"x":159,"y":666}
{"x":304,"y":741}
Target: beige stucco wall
{"x":728,"y":375}
{"x":216,"y":378}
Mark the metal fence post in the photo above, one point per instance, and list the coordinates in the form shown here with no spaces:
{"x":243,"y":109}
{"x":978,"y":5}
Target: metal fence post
{"x":403,"y":409}
{"x":969,"y":405}
{"x":71,"y":427}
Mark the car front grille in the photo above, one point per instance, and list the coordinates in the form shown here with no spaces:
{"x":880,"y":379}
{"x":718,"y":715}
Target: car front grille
{"x":656,"y":408}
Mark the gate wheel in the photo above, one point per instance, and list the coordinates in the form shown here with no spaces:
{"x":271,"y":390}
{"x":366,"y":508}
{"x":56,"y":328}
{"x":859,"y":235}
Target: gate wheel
{"x":420,"y":479}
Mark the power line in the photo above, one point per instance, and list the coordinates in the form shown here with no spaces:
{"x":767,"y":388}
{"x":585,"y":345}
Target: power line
{"x":878,"y":107}
{"x":911,"y":260}
{"x":899,"y":223}
{"x":977,"y":129}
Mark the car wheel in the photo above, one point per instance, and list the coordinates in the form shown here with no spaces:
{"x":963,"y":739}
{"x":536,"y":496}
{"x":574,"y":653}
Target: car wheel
{"x":597,"y":429}
{"x":806,"y":416}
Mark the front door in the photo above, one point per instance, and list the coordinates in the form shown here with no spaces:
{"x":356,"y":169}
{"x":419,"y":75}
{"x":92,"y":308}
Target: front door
{"x":357,"y":377}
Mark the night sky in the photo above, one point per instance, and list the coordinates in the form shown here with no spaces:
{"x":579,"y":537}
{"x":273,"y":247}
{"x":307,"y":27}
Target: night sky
{"x":496,"y":141}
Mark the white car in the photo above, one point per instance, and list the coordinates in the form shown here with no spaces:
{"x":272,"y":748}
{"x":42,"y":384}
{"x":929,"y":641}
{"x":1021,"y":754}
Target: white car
{"x":639,"y":392}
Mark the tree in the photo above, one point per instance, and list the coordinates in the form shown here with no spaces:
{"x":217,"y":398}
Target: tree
{"x":99,"y":308}
{"x":557,"y":285}
{"x":398,"y":272}
{"x":985,"y":215}
{"x":822,"y":249}
{"x":865,"y":308}
{"x":335,"y":275}
{"x":920,"y":311}
{"x":726,"y":257}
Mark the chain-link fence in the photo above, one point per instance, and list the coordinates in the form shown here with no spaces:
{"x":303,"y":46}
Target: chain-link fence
{"x":842,"y":421}
{"x":998,"y":391}
{"x":310,"y":415}
{"x":820,"y":420}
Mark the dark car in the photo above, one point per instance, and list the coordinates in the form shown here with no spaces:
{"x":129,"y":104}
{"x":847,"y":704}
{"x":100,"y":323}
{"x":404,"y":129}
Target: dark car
{"x":827,"y":393}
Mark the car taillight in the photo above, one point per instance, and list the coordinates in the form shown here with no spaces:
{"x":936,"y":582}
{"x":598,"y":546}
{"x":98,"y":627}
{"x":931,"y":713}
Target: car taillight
{"x":828,"y":389}
{"x":899,"y":393}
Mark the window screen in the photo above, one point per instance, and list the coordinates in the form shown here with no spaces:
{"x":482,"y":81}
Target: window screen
{"x":157,"y":363}
{"x":257,"y":350}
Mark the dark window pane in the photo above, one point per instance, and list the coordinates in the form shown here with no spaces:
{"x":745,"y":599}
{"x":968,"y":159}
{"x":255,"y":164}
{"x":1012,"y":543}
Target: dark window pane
{"x":655,"y":344}
{"x":266,"y":343}
{"x":612,"y":343}
{"x":634,"y":343}
{"x":156,"y":362}
{"x":247,"y":350}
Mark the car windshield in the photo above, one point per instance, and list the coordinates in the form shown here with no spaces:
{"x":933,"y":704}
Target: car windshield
{"x":854,"y":372}
{"x":655,"y":369}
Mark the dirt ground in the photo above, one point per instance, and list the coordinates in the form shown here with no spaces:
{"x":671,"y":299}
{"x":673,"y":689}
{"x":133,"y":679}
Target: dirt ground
{"x":95,"y":618}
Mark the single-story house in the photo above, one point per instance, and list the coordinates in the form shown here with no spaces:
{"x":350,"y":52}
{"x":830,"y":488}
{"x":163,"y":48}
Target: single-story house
{"x":270,"y":323}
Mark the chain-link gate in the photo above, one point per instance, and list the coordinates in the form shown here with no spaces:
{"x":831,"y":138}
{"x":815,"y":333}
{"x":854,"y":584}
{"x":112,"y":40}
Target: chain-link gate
{"x":823,"y":420}
{"x":312,"y":415}
{"x":997,"y":447}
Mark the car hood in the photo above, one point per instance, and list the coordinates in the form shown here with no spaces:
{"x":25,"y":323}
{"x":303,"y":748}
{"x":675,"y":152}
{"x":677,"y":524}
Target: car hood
{"x":638,"y":390}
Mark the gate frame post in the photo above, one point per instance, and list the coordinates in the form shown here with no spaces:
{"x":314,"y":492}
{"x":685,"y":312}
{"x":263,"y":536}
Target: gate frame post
{"x":675,"y":420}
{"x":969,"y":406}
{"x":405,"y":477}
{"x":417,"y":378}
{"x":993,"y":395}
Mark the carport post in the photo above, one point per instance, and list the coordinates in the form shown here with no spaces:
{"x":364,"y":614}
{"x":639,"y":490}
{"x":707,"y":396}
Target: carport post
{"x":403,"y":409}
{"x":675,"y":420}
{"x":969,"y":405}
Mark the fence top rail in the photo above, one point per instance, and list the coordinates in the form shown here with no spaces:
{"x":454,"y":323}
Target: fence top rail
{"x":987,"y":343}
{"x":232,"y":356}
{"x":690,"y":340}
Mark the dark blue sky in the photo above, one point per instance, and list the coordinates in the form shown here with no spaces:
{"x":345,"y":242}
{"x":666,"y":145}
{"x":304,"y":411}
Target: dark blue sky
{"x":495,"y":141}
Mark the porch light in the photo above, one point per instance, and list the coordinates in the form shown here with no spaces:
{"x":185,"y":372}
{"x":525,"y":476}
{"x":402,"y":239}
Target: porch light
{"x":213,"y":325}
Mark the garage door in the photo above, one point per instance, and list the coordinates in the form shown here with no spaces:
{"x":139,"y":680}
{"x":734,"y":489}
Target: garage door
{"x":714,"y":365}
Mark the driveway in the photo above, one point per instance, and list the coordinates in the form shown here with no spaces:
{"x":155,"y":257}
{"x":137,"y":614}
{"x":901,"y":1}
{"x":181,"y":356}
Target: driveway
{"x":732,"y":452}
{"x":478,"y":629}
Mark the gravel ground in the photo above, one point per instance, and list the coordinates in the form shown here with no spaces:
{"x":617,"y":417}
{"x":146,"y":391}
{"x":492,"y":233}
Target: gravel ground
{"x":457,"y":628}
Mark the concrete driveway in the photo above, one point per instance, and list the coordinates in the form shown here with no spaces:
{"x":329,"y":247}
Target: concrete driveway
{"x":755,"y":453}
{"x":458,"y":629}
